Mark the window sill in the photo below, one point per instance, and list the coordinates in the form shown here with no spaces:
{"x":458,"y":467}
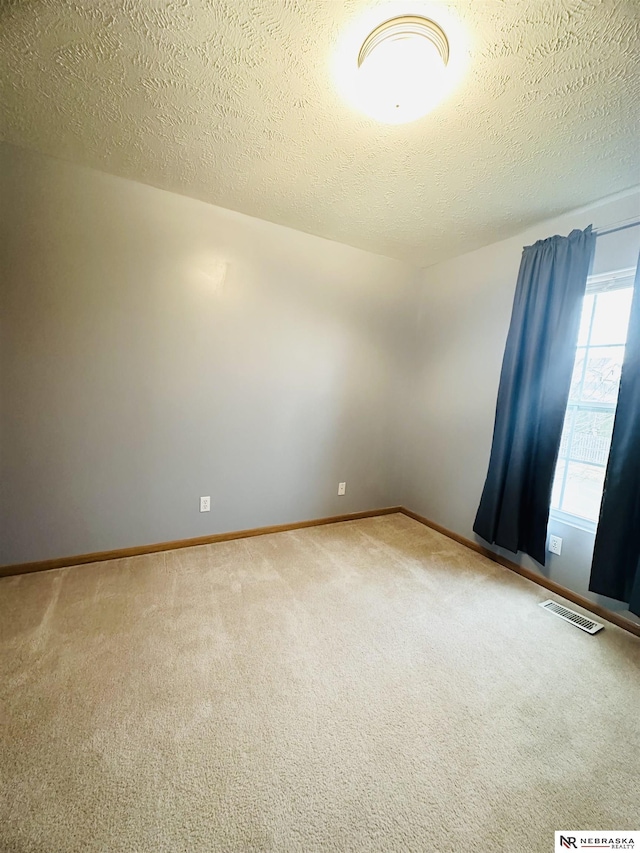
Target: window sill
{"x":573,"y":521}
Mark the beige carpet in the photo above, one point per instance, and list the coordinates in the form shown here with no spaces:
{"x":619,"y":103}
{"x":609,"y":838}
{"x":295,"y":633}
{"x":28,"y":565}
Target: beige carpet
{"x":365,"y":686}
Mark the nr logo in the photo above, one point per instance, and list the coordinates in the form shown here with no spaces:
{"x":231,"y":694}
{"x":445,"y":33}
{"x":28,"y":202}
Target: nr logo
{"x":568,"y":841}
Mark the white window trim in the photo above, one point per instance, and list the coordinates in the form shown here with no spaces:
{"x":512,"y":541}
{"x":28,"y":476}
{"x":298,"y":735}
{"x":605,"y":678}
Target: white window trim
{"x":610,"y":280}
{"x":600,"y":283}
{"x":576,"y":521}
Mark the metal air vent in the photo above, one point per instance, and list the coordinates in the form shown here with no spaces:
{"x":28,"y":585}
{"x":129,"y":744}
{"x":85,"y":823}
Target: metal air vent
{"x":576,"y":619}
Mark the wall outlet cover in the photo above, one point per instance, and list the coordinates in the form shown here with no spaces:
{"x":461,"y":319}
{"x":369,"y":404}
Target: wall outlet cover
{"x":205,"y":504}
{"x":555,"y":545}
{"x":342,"y":488}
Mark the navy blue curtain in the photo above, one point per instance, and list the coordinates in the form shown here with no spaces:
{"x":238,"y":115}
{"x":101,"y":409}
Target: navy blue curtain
{"x":533,"y":393}
{"x":615,"y":570}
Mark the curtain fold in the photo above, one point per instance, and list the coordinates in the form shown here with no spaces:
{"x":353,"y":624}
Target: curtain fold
{"x":615,"y":570}
{"x":533,"y":392}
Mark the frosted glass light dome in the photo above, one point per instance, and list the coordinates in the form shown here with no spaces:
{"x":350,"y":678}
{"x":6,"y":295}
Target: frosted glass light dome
{"x":401,"y":69}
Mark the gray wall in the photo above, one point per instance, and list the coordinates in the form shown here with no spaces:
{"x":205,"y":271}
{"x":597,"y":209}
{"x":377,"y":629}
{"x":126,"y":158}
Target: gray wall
{"x":154,"y":348}
{"x":463,"y":308}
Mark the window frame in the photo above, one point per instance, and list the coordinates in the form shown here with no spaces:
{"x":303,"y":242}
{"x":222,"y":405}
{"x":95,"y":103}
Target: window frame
{"x":601,"y":283}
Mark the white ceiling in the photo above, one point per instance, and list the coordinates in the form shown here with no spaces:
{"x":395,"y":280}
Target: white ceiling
{"x":234,"y":102}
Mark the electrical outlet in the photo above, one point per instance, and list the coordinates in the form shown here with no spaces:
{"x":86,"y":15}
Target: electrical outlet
{"x":555,"y":545}
{"x":205,"y":504}
{"x":342,"y":488}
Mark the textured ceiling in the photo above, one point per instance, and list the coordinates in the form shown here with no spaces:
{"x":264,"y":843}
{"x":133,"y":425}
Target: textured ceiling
{"x":235,"y":102}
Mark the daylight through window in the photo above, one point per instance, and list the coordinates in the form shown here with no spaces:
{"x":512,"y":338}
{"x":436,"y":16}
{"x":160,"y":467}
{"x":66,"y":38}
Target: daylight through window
{"x":588,"y":424}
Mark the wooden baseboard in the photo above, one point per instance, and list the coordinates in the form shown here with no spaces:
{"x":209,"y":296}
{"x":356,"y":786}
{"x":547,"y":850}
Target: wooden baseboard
{"x":119,"y":553}
{"x":552,"y":586}
{"x":136,"y":551}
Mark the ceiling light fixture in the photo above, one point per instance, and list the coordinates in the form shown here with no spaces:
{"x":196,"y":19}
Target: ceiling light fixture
{"x":401,"y":69}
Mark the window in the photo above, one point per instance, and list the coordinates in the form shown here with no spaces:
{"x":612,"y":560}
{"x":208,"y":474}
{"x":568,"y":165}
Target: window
{"x":588,"y":424}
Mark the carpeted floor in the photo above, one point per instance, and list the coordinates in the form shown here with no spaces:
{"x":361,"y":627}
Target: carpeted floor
{"x":365,"y":686}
